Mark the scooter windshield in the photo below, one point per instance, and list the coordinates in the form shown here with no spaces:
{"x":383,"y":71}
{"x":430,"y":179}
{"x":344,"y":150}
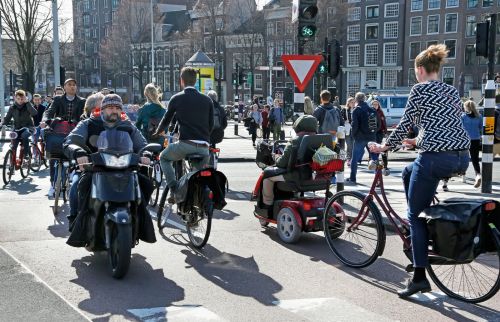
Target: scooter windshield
{"x":115,"y":141}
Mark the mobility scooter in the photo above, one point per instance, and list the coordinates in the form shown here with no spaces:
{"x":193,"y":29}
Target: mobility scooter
{"x":293,"y":212}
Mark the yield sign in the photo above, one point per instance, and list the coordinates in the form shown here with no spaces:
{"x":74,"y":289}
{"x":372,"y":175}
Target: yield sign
{"x":301,"y":68}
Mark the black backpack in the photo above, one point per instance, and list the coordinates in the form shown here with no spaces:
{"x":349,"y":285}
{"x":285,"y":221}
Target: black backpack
{"x":217,"y":118}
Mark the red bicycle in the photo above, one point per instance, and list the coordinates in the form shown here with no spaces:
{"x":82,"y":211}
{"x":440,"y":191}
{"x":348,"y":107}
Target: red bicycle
{"x":11,"y":161}
{"x":38,"y":154}
{"x":356,"y":235}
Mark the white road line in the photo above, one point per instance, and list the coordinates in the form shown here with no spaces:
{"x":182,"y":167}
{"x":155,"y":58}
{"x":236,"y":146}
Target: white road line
{"x":176,"y":313}
{"x":328,"y":309}
{"x":46,"y":285}
{"x":241,"y":196}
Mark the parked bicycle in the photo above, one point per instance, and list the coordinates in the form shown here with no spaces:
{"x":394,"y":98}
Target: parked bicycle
{"x":12,"y":161}
{"x":355,"y":233}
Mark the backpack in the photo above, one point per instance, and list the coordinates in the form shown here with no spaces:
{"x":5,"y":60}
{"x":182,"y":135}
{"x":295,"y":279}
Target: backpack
{"x":373,"y":122}
{"x":152,"y":126}
{"x":272,"y":116}
{"x":331,"y":121}
{"x":217,"y":119}
{"x":497,"y":125}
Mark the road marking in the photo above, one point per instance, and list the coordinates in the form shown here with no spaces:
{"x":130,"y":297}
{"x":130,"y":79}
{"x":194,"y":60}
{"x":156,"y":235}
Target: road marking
{"x":241,"y":196}
{"x":37,"y":278}
{"x":428,"y":297}
{"x":176,"y":314}
{"x":328,"y":309}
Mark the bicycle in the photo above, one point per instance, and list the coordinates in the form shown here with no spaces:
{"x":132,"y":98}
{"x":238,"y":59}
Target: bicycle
{"x":198,"y":221}
{"x":355,"y":233}
{"x":38,"y":154}
{"x":12,"y":162}
{"x":156,"y":176}
{"x":63,"y":182}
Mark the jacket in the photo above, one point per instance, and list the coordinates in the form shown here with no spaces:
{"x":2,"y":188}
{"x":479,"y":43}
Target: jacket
{"x":360,"y":132}
{"x":304,"y":125}
{"x":86,"y":133}
{"x":279,"y":117}
{"x":473,"y":125}
{"x":38,"y":117}
{"x":265,"y":119}
{"x":194,"y":113}
{"x":59,"y":107}
{"x":146,"y":113}
{"x":381,"y":121}
{"x":22,"y":115}
{"x":217,"y":135}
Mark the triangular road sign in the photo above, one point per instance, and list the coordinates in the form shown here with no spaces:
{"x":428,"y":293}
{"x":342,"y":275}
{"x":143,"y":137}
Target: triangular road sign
{"x":301,"y":68}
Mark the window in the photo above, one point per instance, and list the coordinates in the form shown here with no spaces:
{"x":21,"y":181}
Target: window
{"x":391,"y":30}
{"x":288,"y":47}
{"x":353,"y":55}
{"x":86,"y":5}
{"x":470,"y":26}
{"x":354,"y":14}
{"x":87,"y":33}
{"x":371,"y":32}
{"x":114,"y":4}
{"x":353,"y":33}
{"x":371,"y":79}
{"x":371,"y":55}
{"x":417,"y":5}
{"x":94,"y":33}
{"x":487,"y":3}
{"x":412,"y":78}
{"x":449,"y":75}
{"x":472,"y":3}
{"x":390,"y":54}
{"x":414,"y":50}
{"x":258,"y":81}
{"x":330,"y":13}
{"x":416,"y":26}
{"x":451,"y":22}
{"x":390,"y":79}
{"x":433,"y":24}
{"x":432,"y":42}
{"x":96,"y":63}
{"x":353,"y":82}
{"x":451,"y":45}
{"x":451,"y":3}
{"x":470,"y":55}
{"x":270,"y":28}
{"x":372,"y":12}
{"x":280,"y":30}
{"x":391,"y":10}
{"x":434,"y":4}
{"x":105,"y":3}
{"x":96,"y":49}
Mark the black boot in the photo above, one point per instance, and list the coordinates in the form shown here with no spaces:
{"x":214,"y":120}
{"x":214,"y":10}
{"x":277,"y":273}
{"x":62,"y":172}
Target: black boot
{"x":418,"y":283}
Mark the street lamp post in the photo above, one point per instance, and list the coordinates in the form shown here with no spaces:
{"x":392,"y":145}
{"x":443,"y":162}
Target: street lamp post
{"x":55,"y":43}
{"x":153,"y":78}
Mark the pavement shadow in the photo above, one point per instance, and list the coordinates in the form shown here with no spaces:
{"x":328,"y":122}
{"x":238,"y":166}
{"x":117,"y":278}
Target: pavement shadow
{"x":60,"y":227}
{"x":235,"y":274}
{"x":22,"y":187}
{"x":225,"y":214}
{"x":142,"y":288}
{"x":238,"y":195}
{"x":40,"y":174}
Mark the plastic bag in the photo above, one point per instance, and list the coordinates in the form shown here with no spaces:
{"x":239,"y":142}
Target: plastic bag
{"x":323,"y":155}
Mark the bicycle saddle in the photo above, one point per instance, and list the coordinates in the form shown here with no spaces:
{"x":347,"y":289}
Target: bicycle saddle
{"x":195,"y":157}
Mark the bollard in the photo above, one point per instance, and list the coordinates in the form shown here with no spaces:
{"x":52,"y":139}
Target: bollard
{"x":236,"y":129}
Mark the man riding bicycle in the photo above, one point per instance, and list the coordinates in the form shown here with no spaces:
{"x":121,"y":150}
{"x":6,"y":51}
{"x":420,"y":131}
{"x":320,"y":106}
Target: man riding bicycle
{"x":194,"y":114}
{"x":22,"y":112}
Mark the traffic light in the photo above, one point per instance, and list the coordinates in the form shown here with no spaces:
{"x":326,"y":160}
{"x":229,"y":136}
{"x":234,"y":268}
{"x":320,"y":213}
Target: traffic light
{"x":62,"y":74}
{"x":235,"y":79}
{"x":18,"y":81}
{"x":482,"y":34}
{"x":241,"y":77}
{"x":308,"y":10}
{"x":334,"y":62}
{"x":323,"y":67}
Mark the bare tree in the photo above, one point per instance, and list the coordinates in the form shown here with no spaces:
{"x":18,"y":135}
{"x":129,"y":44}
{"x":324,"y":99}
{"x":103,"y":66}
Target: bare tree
{"x":28,"y":24}
{"x":124,"y":51}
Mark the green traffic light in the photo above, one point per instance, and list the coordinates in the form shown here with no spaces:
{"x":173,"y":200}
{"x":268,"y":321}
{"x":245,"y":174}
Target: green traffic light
{"x":308,"y":31}
{"x":322,"y":69}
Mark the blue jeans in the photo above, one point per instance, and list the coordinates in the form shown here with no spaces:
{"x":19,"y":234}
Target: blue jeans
{"x":358,"y":150}
{"x":421,"y":179}
{"x":73,"y":195}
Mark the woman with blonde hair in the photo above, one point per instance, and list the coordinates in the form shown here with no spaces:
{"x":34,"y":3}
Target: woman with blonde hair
{"x":308,"y":106}
{"x":473,"y":124}
{"x":436,"y":109}
{"x":150,"y":115}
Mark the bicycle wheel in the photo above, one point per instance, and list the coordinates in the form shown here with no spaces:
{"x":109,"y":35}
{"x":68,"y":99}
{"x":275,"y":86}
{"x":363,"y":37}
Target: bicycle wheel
{"x":353,"y":229}
{"x":67,"y":186}
{"x":36,"y":159}
{"x":198,"y":226}
{"x":156,"y":177}
{"x":26,"y":165}
{"x":8,"y":167}
{"x":473,"y":282}
{"x":57,"y":185}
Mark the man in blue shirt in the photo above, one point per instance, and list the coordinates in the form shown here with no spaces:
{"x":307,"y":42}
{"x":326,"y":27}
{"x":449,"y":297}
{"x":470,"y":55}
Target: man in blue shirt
{"x":276,"y":119}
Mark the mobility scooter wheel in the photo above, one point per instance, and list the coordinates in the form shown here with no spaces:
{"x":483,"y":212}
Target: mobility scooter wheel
{"x":289,"y":229}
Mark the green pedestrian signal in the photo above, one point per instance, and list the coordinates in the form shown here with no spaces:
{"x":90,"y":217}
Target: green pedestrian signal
{"x":323,"y":69}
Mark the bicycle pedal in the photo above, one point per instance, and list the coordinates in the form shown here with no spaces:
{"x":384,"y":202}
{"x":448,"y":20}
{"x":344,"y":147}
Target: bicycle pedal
{"x":409,"y":268}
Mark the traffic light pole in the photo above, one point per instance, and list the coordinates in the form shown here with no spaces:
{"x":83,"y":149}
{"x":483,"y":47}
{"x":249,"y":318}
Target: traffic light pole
{"x":2,"y":84}
{"x":489,"y":112}
{"x":55,"y":43}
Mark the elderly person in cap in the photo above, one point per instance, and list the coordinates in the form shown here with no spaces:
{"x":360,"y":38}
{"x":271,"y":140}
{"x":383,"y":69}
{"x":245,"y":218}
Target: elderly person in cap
{"x":84,"y":137}
{"x":67,"y":107}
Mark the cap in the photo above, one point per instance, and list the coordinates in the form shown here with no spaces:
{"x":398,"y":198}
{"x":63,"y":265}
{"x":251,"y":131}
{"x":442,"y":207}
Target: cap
{"x":69,"y":80}
{"x":111,"y":99}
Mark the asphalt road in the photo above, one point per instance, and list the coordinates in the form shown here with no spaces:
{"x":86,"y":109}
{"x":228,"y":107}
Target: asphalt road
{"x":245,"y":273}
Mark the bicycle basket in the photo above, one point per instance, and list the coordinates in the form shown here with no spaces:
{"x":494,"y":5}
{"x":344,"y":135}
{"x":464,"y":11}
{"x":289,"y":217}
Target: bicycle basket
{"x":332,"y":166}
{"x":54,"y":145}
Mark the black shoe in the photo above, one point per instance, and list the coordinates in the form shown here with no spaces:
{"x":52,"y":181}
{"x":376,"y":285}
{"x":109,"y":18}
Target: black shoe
{"x":412,"y":288}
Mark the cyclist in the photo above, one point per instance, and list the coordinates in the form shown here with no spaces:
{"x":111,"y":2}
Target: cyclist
{"x":22,"y":112}
{"x":69,"y":107}
{"x":37,"y":104}
{"x":194,"y":114}
{"x":436,"y":109}
{"x":150,"y":115}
